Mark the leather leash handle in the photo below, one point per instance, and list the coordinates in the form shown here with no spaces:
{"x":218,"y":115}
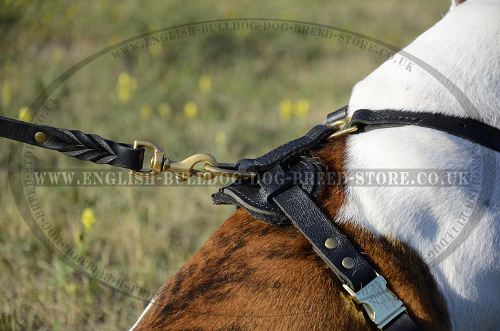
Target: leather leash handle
{"x":74,"y":143}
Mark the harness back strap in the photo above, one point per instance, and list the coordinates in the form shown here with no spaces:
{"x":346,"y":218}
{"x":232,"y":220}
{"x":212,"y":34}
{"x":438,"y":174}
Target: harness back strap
{"x":83,"y":146}
{"x":467,"y":128}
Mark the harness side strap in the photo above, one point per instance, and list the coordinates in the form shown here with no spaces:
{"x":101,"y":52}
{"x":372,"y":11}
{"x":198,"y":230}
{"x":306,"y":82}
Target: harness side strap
{"x":466,"y":128}
{"x":328,"y":242}
{"x":402,"y":323}
{"x":337,"y":251}
{"x":358,"y":277}
{"x":83,"y":146}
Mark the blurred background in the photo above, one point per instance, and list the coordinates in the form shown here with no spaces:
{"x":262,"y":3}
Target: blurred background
{"x":231,"y":94}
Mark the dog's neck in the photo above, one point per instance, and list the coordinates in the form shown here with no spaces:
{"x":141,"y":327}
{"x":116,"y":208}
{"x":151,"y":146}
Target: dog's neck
{"x":436,"y":221}
{"x":463,"y":49}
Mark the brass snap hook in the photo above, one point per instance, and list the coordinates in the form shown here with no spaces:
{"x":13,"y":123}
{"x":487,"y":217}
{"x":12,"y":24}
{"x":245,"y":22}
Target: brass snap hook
{"x":202,"y":165}
{"x":186,"y":168}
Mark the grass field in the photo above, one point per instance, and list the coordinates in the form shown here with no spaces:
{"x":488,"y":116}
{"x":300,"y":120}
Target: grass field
{"x":232,"y":94}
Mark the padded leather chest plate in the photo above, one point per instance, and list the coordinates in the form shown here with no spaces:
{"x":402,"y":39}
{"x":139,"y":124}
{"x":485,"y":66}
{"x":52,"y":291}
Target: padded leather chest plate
{"x":300,"y":169}
{"x":250,"y":194}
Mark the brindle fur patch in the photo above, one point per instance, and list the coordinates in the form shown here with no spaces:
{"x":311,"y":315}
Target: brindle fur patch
{"x":252,"y":275}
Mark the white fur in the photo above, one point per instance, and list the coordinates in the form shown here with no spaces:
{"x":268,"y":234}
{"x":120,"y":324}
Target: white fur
{"x":464,"y":47}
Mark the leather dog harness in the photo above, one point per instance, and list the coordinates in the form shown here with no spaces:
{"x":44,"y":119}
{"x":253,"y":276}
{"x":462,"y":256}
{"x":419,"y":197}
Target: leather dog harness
{"x":278,"y":187}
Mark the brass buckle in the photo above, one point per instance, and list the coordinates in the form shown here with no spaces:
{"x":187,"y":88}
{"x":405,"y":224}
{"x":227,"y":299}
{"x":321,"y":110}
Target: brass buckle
{"x":379,"y":302}
{"x":156,"y":161}
{"x":343,"y":126}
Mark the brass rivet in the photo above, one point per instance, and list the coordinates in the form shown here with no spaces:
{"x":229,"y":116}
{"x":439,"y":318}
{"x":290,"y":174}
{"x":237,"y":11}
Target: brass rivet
{"x":348,"y":262}
{"x":41,"y":138}
{"x":331,"y":243}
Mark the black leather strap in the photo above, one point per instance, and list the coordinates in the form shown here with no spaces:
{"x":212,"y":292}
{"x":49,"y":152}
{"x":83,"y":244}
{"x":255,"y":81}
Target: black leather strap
{"x":466,"y":128}
{"x":286,"y":152}
{"x":402,"y":323}
{"x":317,"y":228}
{"x":306,"y":173}
{"x":86,"y":147}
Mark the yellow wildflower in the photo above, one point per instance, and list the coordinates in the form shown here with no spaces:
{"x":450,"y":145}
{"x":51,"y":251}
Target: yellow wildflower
{"x":88,"y":218}
{"x":6,"y":94}
{"x":302,"y":108}
{"x":24,"y":114}
{"x":285,"y":109}
{"x":190,"y":109}
{"x":155,"y":49}
{"x":78,"y":238}
{"x":164,"y":109}
{"x":145,"y":112}
{"x":70,"y":288}
{"x":125,"y":87}
{"x":205,"y":83}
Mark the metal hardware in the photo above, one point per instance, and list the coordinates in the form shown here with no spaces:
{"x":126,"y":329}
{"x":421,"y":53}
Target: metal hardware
{"x":343,"y":132}
{"x":186,"y":168}
{"x":41,"y":138}
{"x":207,"y":166}
{"x":156,"y":161}
{"x":340,"y":124}
{"x":343,"y":127}
{"x":200,"y":165}
{"x":331,"y":243}
{"x":379,"y":302}
{"x":348,"y":262}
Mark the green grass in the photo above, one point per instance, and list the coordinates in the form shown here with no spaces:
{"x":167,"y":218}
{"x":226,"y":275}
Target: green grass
{"x":257,"y":83}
